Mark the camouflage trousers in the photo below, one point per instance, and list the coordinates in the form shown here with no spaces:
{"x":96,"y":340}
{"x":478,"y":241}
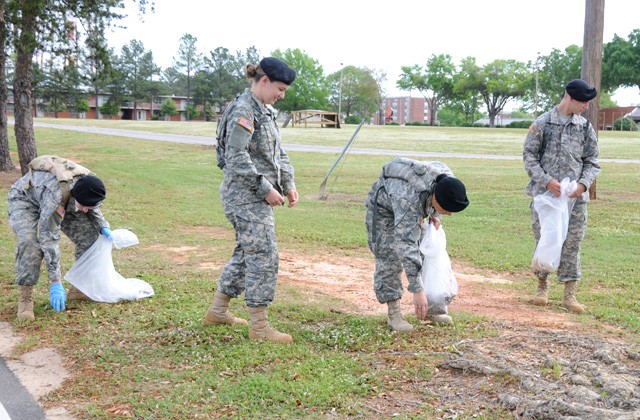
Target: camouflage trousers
{"x":569,"y":268}
{"x":387,"y":278}
{"x":253,"y":266}
{"x":24,"y":218}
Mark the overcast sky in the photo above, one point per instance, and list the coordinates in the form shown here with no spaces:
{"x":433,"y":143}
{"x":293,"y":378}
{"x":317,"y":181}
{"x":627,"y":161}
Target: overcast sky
{"x":378,"y":35}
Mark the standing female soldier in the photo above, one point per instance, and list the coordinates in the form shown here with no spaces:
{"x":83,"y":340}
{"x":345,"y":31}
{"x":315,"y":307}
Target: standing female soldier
{"x":257,"y":176}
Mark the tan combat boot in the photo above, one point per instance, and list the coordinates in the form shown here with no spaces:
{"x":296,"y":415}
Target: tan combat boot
{"x":441,"y":319}
{"x":75,"y":294}
{"x":218,"y":312}
{"x":569,"y":301}
{"x":541,"y":298}
{"x":25,"y":305}
{"x":261,"y":330}
{"x":396,"y":321}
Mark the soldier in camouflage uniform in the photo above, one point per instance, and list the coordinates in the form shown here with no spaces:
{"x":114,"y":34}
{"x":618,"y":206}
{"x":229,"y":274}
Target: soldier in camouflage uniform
{"x":397,"y":205}
{"x":56,"y":194}
{"x":257,"y":177}
{"x":561,"y":143}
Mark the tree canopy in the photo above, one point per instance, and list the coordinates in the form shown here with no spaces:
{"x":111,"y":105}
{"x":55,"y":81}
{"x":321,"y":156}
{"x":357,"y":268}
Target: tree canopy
{"x":620,"y":62}
{"x":310,"y":89}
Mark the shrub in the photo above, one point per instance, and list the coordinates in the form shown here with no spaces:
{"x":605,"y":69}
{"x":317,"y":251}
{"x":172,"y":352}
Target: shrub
{"x":625,"y":124}
{"x":519,"y":124}
{"x":110,"y":108}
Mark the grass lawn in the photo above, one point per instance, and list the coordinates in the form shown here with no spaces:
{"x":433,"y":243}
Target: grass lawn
{"x":155,"y":358}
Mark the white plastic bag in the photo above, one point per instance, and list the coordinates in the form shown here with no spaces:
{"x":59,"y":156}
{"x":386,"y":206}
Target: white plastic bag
{"x":553,"y":213}
{"x":95,"y":276}
{"x":438,"y":280}
{"x":123,"y":238}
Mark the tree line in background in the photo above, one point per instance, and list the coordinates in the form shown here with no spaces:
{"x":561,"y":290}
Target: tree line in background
{"x":56,"y":53}
{"x":455,"y":94}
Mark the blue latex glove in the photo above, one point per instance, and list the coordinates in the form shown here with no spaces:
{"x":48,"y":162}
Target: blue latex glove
{"x":57,"y":297}
{"x":106,"y":232}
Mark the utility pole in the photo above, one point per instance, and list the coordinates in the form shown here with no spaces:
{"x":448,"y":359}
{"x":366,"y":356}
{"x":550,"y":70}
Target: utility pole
{"x":592,"y":61}
{"x":535,"y":114}
{"x":340,"y":95}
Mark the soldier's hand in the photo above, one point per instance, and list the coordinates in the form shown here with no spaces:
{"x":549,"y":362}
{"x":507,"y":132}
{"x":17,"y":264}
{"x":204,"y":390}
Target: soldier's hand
{"x":554,"y":187}
{"x":274,"y":198}
{"x":580,"y":189}
{"x":106,"y":232}
{"x":420,"y":304}
{"x":293,"y":197}
{"x":57,"y":296}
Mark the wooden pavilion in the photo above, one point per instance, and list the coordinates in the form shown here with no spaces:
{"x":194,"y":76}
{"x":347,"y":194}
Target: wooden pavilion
{"x":314,"y":117}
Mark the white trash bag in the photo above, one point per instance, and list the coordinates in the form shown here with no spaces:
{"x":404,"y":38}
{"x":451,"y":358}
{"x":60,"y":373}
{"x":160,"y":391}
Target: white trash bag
{"x":95,"y":276}
{"x":553,"y":213}
{"x":123,"y":238}
{"x":438,"y":280}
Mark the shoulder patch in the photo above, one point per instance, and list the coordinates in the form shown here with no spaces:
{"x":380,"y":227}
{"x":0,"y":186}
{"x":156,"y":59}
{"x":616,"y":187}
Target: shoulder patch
{"x":60,"y":211}
{"x":532,"y":129}
{"x":246,"y":123}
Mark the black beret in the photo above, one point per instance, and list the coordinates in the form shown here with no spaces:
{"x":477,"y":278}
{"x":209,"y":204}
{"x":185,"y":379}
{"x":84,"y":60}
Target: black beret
{"x":581,"y":91}
{"x":451,"y":194}
{"x":89,"y":191}
{"x":277,"y":70}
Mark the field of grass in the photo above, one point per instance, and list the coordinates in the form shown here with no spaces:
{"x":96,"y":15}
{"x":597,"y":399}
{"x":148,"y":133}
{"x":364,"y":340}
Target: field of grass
{"x":154,"y":358}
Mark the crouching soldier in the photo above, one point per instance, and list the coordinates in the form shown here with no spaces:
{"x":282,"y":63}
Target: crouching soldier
{"x":407,"y":192}
{"x":56,"y":194}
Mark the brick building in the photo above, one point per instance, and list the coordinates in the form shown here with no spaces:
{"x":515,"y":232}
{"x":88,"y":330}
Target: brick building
{"x":403,"y":110}
{"x":607,"y":116}
{"x":143,"y":110}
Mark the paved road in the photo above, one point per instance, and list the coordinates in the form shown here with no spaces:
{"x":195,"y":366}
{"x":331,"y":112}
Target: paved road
{"x":210,"y":141}
{"x":16,"y":403}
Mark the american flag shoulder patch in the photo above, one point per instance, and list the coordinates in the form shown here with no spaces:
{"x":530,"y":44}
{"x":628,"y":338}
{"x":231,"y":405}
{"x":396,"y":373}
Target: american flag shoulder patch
{"x":246,"y":123}
{"x":60,"y":211}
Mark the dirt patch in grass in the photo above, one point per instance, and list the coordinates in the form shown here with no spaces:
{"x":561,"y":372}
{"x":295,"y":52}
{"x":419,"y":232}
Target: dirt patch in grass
{"x":544,"y":362}
{"x":351,"y":279}
{"x":8,"y":178}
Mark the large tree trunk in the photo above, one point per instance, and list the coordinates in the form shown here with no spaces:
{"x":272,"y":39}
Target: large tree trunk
{"x":592,"y":61}
{"x":25,"y":138}
{"x":22,"y":89}
{"x":5,"y":157}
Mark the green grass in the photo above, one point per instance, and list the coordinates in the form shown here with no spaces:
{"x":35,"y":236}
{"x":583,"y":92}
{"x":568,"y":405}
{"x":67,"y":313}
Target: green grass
{"x":155,"y":359}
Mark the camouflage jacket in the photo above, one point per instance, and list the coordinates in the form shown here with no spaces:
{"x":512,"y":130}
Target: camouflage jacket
{"x":556,"y":150}
{"x":254,"y":161}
